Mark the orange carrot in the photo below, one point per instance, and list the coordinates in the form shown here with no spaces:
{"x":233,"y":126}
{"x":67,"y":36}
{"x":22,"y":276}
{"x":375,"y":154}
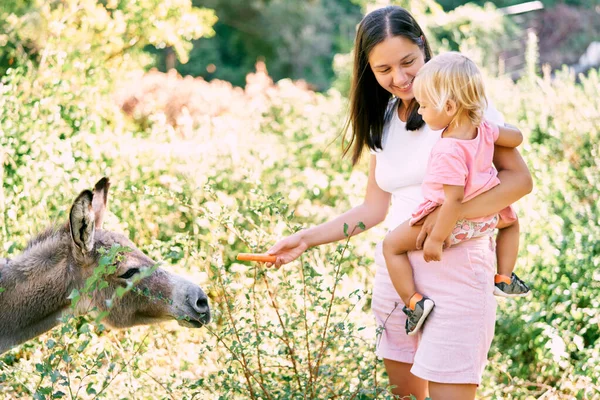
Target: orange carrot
{"x":256,"y":257}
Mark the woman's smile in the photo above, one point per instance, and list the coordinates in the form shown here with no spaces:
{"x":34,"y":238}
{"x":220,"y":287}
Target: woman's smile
{"x":406,"y":87}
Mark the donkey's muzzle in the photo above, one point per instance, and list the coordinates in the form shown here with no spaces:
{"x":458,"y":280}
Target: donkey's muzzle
{"x":198,"y":302}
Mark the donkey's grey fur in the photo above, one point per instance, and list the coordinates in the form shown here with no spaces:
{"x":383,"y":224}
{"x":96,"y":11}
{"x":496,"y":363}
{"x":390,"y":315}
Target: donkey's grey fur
{"x":38,"y":282}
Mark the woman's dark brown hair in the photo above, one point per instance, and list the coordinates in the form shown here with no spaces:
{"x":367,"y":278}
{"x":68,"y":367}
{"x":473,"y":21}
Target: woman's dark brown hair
{"x":368,"y":100}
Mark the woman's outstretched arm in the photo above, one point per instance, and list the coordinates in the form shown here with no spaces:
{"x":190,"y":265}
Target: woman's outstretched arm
{"x":371,"y":212}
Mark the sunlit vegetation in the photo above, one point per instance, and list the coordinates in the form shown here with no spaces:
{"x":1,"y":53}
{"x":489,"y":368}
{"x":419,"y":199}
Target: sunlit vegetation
{"x":204,"y":170}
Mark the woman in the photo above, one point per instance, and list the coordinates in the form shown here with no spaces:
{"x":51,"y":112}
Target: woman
{"x":447,"y":360}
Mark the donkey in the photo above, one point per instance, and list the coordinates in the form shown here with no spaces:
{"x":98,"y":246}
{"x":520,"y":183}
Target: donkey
{"x":37,"y":284}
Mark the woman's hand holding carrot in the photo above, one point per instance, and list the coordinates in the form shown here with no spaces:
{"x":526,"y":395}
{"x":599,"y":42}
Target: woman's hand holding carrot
{"x":288,"y":249}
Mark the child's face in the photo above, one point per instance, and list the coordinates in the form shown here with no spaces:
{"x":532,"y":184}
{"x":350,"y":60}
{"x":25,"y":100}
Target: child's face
{"x":434,"y":118}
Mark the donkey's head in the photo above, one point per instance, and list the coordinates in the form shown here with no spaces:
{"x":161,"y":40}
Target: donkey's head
{"x":38,"y":282}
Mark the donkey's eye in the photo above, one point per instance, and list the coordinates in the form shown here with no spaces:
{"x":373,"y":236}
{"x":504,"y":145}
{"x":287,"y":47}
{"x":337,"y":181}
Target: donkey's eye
{"x":130,"y":272}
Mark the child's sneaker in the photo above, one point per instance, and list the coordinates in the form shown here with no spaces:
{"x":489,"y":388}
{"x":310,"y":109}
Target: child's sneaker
{"x":516,"y":288}
{"x":417,"y":317}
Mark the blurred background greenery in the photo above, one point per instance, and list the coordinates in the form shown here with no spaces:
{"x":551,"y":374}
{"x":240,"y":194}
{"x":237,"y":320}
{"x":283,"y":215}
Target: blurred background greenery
{"x":218,"y":122}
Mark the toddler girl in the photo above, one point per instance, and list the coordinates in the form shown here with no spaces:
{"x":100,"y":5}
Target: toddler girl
{"x":451,"y":95}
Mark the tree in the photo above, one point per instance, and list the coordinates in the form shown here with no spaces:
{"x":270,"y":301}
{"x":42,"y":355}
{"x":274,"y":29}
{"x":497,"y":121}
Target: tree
{"x":296,"y":40}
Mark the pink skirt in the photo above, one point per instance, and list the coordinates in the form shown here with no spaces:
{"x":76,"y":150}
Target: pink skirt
{"x":453,"y":344}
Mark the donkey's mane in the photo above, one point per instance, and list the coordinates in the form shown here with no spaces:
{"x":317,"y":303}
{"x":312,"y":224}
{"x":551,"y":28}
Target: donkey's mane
{"x":48,"y":233}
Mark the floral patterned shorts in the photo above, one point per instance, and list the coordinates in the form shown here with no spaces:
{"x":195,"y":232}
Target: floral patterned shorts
{"x":465,"y":229}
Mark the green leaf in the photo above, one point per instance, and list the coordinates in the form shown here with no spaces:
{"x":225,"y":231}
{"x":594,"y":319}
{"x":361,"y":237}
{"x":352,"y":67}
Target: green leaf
{"x":85,"y":328}
{"x":345,"y":229}
{"x":90,"y":389}
{"x":74,"y":295}
{"x":120,"y":292}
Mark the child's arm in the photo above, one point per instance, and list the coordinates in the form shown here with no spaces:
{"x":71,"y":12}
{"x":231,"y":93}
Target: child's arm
{"x":448,"y":215}
{"x":509,"y":136}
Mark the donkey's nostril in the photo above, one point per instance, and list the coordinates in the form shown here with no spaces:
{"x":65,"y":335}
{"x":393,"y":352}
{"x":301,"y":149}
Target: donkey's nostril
{"x":202,"y":304}
{"x":199,"y":302}
{"x":203,"y":309}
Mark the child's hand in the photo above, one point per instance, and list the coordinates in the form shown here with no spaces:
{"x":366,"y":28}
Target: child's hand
{"x":427,"y":225}
{"x":432,"y":250}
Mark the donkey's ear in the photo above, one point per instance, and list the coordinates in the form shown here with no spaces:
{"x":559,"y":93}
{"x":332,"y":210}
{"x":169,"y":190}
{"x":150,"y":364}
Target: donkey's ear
{"x":82,"y":221}
{"x":100,"y":200}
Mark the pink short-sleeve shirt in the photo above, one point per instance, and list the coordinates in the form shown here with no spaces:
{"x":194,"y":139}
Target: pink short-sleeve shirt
{"x":459,"y":162}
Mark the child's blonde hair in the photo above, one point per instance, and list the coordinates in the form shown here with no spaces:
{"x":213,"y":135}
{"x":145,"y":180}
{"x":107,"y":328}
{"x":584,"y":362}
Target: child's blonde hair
{"x":453,"y":76}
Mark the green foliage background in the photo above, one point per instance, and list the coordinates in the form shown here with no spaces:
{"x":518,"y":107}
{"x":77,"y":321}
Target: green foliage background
{"x":451,"y":4}
{"x":255,"y":165}
{"x":296,"y":39}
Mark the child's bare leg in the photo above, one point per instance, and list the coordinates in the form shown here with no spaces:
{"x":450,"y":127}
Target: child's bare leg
{"x":507,"y":247}
{"x":395,"y":246}
{"x":506,"y":283}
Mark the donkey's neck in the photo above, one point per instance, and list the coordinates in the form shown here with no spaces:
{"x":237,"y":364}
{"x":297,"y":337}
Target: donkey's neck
{"x":36,"y":287}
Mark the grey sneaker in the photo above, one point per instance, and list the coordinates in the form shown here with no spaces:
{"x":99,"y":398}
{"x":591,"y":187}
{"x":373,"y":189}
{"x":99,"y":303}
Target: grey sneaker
{"x":417,"y":317}
{"x":516,"y":288}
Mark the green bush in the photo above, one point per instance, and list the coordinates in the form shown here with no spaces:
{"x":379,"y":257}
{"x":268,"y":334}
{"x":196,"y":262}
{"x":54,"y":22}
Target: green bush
{"x":549,"y":344}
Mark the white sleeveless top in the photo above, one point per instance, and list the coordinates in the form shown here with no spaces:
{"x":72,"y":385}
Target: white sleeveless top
{"x":401,"y":164}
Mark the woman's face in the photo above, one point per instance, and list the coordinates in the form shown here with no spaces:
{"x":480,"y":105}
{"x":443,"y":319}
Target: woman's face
{"x":395,"y":62}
